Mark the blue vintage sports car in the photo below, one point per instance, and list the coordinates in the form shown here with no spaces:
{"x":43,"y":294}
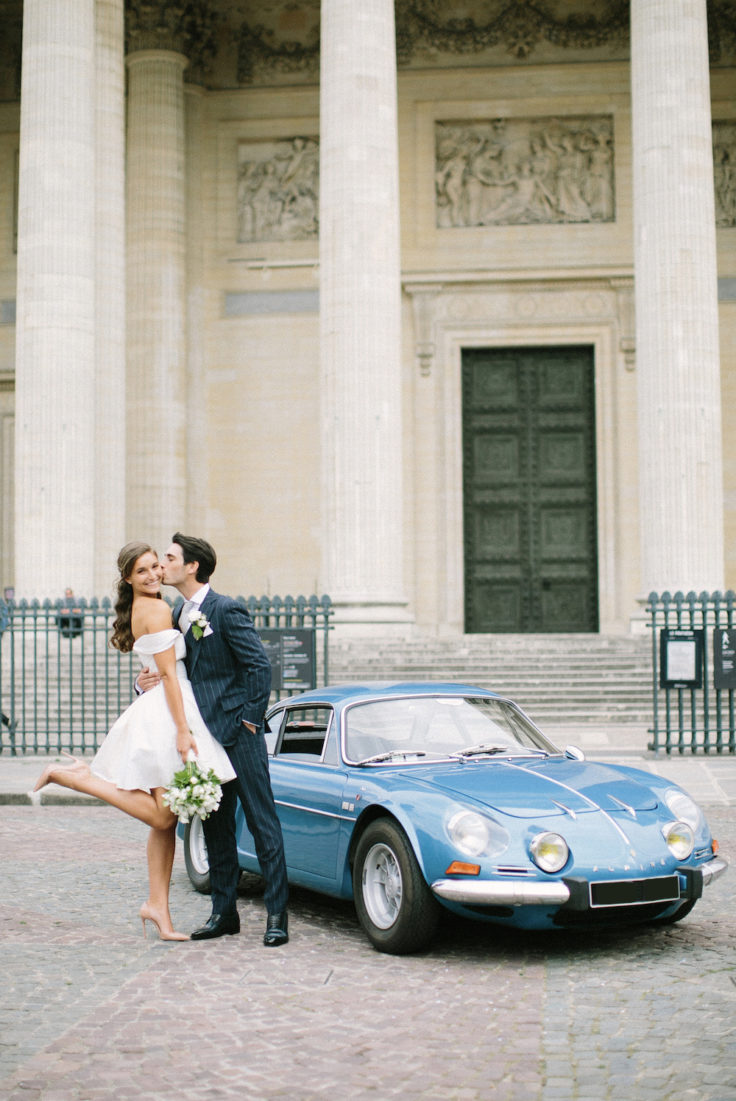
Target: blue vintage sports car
{"x":410,"y":797}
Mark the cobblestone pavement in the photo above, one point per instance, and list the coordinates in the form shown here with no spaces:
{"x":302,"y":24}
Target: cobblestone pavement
{"x":90,"y":1010}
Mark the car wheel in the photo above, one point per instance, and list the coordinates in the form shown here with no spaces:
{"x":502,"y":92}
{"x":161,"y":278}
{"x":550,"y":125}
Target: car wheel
{"x":678,"y":915}
{"x":195,"y":856}
{"x":394,"y":904}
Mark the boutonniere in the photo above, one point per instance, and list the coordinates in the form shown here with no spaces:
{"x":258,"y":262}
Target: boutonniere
{"x":200,"y":623}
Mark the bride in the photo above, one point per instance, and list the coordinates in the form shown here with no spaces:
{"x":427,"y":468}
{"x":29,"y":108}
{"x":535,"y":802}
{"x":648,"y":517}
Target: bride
{"x":151,"y":739}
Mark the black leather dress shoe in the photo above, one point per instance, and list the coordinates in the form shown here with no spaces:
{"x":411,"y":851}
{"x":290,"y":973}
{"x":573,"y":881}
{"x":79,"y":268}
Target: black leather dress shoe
{"x":277,"y":930}
{"x":218,"y":925}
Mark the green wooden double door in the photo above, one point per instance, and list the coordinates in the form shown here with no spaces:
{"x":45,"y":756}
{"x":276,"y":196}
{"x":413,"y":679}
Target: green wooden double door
{"x":529,"y":489}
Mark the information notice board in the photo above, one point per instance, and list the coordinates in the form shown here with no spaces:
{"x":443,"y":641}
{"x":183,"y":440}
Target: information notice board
{"x":292,"y":653}
{"x":681,"y":658}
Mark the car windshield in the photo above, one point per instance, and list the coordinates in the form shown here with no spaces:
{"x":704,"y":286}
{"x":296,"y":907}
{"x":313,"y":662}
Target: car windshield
{"x":439,"y":726}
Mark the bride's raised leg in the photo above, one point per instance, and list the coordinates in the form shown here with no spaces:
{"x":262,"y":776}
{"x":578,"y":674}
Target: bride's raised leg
{"x":143,"y":805}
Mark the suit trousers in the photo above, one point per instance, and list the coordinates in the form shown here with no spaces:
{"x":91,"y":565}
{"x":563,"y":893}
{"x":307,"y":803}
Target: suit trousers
{"x":252,"y":786}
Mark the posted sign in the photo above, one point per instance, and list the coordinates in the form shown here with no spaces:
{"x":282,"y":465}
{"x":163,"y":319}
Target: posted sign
{"x":292,"y":653}
{"x":681,"y":659}
{"x":724,"y":658}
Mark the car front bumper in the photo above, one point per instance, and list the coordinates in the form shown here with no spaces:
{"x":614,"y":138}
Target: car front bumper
{"x":559,"y":892}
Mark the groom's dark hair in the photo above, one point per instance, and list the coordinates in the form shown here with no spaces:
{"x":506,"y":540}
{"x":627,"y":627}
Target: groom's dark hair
{"x":199,"y":551}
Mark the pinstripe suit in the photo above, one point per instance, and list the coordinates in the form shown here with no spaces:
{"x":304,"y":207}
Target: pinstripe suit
{"x":231,"y":680}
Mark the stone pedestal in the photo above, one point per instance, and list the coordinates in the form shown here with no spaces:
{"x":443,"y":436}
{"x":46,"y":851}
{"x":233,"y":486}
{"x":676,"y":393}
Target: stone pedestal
{"x":360,"y":315}
{"x":677,"y":355}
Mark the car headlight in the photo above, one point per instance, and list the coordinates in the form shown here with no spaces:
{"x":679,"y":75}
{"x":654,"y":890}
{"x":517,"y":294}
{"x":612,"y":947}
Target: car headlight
{"x":684,"y":809}
{"x":475,"y":835}
{"x":680,"y":839}
{"x":549,"y":852}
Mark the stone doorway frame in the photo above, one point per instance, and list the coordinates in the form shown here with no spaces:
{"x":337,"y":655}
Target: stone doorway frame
{"x":451,"y":317}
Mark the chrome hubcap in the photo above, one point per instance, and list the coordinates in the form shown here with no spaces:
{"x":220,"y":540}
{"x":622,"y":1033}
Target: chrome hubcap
{"x":382,"y":886}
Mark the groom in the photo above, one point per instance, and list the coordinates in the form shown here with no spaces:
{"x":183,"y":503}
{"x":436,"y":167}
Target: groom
{"x":231,"y":680}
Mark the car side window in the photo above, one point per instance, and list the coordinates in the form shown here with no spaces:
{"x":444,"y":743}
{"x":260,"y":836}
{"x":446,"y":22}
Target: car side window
{"x":275,"y":723}
{"x":304,"y":733}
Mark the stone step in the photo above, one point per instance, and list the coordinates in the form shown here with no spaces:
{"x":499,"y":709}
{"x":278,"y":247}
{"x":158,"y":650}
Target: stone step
{"x":555,"y":678}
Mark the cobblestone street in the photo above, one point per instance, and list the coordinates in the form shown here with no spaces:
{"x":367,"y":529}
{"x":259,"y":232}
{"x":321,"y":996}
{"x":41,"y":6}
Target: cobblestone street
{"x":91,"y":1010}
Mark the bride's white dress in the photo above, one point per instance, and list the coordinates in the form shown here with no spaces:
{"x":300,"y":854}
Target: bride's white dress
{"x":140,"y":750}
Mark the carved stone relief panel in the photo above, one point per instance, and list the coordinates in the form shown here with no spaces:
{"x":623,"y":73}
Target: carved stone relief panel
{"x":724,"y":171}
{"x":521,"y":171}
{"x":278,"y":190}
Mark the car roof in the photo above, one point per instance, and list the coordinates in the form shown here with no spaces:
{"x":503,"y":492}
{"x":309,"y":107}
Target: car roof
{"x":342,"y":694}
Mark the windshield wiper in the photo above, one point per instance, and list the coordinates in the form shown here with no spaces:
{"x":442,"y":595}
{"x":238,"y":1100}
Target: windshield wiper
{"x":390,"y":754}
{"x":473,"y":750}
{"x":511,"y":750}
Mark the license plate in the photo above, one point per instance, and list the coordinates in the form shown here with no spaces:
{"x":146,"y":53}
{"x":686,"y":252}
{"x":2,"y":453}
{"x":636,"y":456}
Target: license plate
{"x":635,"y":892}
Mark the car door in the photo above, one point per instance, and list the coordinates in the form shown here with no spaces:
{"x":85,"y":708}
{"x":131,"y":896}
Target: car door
{"x":308,"y":785}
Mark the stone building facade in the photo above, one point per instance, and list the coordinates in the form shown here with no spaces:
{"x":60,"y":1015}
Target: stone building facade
{"x":430,"y":306}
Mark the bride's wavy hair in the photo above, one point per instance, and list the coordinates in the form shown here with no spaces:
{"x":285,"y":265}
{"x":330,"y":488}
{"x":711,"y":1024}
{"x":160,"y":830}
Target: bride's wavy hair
{"x":122,"y":635}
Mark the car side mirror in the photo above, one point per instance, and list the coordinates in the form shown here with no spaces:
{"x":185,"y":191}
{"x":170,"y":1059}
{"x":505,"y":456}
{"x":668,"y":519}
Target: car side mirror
{"x":574,"y":753}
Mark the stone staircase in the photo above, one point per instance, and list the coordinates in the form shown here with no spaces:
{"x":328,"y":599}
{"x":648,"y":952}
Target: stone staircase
{"x":559,"y":680}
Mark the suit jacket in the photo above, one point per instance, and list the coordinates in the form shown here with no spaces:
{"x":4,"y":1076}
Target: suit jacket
{"x":228,"y":669}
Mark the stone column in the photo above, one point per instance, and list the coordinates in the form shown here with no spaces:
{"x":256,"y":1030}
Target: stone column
{"x":681,"y":476}
{"x":197,"y":505}
{"x":156,"y":277}
{"x":360,"y":315}
{"x":55,"y":330}
{"x":110,"y":294}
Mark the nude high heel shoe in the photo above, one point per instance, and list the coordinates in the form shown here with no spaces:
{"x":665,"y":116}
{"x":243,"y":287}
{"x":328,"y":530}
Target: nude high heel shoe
{"x":46,"y":776}
{"x":147,"y":914}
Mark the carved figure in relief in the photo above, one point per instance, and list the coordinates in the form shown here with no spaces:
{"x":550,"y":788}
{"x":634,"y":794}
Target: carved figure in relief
{"x":542,"y":163}
{"x":486,"y":180}
{"x":570,"y":180}
{"x":519,"y":196}
{"x":452,"y":179}
{"x":724,"y":180}
{"x":597,"y":191}
{"x":248,"y":183}
{"x":278,"y":190}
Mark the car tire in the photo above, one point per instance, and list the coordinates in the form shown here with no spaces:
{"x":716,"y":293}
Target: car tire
{"x":394,"y":904}
{"x":195,"y":856}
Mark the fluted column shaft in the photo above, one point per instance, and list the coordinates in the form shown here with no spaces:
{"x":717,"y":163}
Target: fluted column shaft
{"x":681,"y":476}
{"x":55,"y":331}
{"x":197,"y":505}
{"x":360,"y":312}
{"x":110,"y":293}
{"x":156,"y":277}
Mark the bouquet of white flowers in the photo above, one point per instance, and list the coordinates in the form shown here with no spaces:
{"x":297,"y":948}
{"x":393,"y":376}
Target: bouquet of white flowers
{"x":193,"y":792}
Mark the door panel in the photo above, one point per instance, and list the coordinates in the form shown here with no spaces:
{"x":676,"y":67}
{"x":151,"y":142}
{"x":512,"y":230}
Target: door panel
{"x":529,"y":490}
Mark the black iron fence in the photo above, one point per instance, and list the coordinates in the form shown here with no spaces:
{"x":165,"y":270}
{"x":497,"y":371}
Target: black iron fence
{"x":693,"y":672}
{"x":62,"y":686}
